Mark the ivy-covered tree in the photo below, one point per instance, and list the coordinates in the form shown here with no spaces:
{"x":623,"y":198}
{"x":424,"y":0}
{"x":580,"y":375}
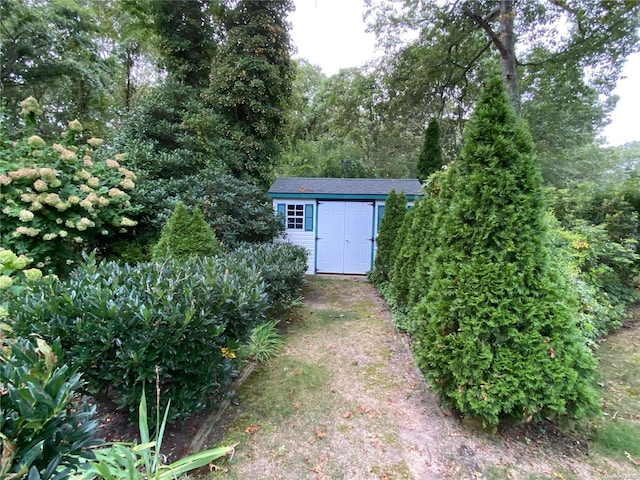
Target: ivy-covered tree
{"x":497,"y":335}
{"x":250,"y":85}
{"x":395,"y":209}
{"x":430,"y":159}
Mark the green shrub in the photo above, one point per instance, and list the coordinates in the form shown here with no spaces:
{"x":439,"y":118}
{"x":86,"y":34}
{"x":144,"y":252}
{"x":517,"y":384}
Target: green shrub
{"x":186,"y":235}
{"x":281,"y":265}
{"x":44,"y":434}
{"x":602,"y":306}
{"x":497,"y":333}
{"x":394,"y":212}
{"x":430,"y":160}
{"x":118,"y":322}
{"x":14,"y":278}
{"x":61,"y":198}
{"x":237,"y":211}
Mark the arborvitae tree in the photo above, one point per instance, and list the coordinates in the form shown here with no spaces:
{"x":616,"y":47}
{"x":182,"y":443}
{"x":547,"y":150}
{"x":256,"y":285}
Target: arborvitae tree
{"x":414,"y":241}
{"x":395,"y":209}
{"x":498,"y":336}
{"x":185,"y":236}
{"x":404,"y":262}
{"x":440,"y":190}
{"x":430,"y":159}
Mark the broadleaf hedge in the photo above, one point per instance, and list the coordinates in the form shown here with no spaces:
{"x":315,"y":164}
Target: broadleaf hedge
{"x":117,"y":322}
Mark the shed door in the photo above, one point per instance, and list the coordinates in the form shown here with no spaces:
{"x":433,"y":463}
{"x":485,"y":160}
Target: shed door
{"x":344,"y":237}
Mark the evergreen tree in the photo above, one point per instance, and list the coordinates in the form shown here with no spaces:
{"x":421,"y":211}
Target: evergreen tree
{"x":251,"y":83}
{"x":185,"y":236}
{"x":497,"y":333}
{"x":430,"y":159}
{"x":395,"y":210}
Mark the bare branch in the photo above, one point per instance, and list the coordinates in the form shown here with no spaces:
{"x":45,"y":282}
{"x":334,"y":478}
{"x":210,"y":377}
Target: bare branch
{"x":484,"y":24}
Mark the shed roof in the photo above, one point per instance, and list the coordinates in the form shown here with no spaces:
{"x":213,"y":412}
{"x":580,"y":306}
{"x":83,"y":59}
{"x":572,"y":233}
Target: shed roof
{"x":300,"y":187}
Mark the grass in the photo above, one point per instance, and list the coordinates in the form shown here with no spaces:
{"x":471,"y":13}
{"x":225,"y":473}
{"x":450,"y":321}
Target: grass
{"x":617,"y":434}
{"x":295,"y":412}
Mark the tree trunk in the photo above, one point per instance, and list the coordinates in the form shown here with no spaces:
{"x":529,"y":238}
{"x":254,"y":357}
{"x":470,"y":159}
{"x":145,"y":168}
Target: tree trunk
{"x":508,"y":54}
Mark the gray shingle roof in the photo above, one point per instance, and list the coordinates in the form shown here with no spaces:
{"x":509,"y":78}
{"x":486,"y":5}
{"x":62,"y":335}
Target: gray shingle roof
{"x":345,"y":186}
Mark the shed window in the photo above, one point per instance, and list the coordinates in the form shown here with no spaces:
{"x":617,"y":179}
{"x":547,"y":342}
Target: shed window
{"x":295,"y":217}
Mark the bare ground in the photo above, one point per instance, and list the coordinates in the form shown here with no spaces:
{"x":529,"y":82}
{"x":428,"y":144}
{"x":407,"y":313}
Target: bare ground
{"x":344,"y":400}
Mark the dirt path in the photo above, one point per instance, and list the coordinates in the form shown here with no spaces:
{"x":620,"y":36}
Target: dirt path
{"x":344,"y":400}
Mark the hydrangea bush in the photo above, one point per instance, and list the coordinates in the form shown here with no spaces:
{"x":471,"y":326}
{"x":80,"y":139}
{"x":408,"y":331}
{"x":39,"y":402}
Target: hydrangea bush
{"x":58,"y":198}
{"x":14,"y":277}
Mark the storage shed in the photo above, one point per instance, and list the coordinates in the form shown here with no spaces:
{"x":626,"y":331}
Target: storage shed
{"x":336,"y":219}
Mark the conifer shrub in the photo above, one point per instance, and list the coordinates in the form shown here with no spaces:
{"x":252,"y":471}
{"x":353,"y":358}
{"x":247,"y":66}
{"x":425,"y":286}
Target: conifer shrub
{"x":440,"y":189}
{"x":430,"y":160}
{"x":394,"y":212}
{"x":396,"y":293}
{"x":496,"y":334}
{"x":186,"y":235}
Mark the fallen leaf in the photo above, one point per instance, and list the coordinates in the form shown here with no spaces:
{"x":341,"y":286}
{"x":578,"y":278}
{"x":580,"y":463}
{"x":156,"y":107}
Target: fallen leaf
{"x":251,"y":429}
{"x":363,"y":410}
{"x":346,"y":415}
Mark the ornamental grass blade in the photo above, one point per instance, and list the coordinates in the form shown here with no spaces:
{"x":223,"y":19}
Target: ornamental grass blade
{"x":193,"y":462}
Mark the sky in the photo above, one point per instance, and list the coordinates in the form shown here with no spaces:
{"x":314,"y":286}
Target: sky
{"x":331,"y":34}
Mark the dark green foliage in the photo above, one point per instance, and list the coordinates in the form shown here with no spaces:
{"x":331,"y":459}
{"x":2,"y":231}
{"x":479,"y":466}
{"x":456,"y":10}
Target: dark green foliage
{"x":238,"y":211}
{"x":250,"y":85}
{"x":53,"y":50}
{"x":606,"y":224}
{"x":118,"y":322}
{"x":185,"y":37}
{"x":282,"y":266}
{"x":430,"y":160}
{"x":44,"y":434}
{"x":395,"y":210}
{"x":497,"y":333}
{"x":185,"y":236}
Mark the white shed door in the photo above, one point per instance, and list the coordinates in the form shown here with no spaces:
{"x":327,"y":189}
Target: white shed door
{"x":344,"y":237}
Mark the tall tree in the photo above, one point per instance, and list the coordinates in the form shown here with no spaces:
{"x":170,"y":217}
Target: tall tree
{"x":430,"y":160}
{"x":387,"y":243}
{"x":567,"y":58}
{"x":596,"y":34}
{"x":498,"y":334}
{"x":250,"y":87}
{"x":54,"y":51}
